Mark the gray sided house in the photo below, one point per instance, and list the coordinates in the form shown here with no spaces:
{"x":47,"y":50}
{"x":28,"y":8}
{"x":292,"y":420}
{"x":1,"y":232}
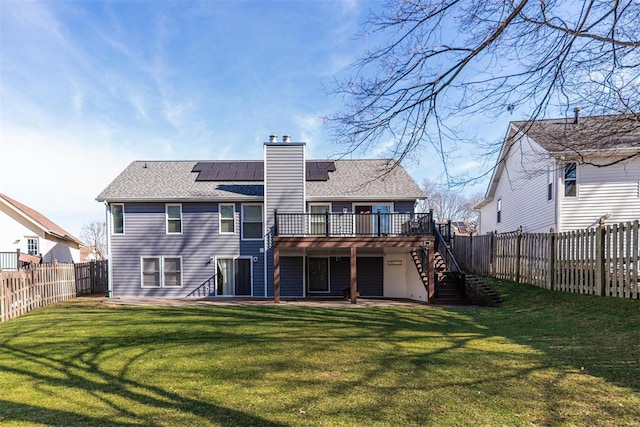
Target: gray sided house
{"x":282,"y":227}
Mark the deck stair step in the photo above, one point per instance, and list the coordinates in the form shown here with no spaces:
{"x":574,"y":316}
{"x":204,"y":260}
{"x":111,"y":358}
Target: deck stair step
{"x":448,"y":292}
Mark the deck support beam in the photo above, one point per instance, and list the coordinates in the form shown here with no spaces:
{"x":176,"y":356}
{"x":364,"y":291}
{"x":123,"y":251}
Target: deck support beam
{"x":276,"y":275}
{"x":354,"y":276}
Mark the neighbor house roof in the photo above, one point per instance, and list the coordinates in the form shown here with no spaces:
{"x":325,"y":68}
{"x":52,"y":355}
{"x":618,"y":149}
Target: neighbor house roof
{"x":39,"y":220}
{"x":593,"y":135}
{"x":177,"y":180}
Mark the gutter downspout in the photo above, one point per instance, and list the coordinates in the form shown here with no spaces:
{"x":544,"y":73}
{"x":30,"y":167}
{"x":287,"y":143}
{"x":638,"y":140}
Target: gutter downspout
{"x":109,"y":259}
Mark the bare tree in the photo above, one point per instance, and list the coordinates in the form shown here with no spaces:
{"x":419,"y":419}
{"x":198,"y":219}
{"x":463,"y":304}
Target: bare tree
{"x":448,"y":204}
{"x":442,"y":62}
{"x":95,"y":234}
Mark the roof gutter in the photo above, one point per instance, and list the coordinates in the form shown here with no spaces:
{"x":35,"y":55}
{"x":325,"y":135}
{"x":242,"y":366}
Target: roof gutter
{"x":178,"y":199}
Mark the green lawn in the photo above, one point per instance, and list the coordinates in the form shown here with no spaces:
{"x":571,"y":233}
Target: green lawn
{"x":543,"y":359}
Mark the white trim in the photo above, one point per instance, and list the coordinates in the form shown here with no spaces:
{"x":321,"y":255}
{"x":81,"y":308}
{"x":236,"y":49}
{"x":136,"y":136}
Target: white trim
{"x":109,"y":264}
{"x":265,"y":251}
{"x":310,"y":224}
{"x":391,"y":206}
{"x":161,"y":259}
{"x":368,"y":202}
{"x":142,"y":258}
{"x":220,"y":205}
{"x":166,"y":218}
{"x":37,"y":239}
{"x":233,"y":258}
{"x":262,"y":212}
{"x":328,"y":258}
{"x":123,"y":216}
{"x":564,"y":180}
{"x":181,"y":272}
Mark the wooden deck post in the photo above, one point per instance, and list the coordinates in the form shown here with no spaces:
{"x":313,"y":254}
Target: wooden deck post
{"x":354,"y":277}
{"x":276,"y":275}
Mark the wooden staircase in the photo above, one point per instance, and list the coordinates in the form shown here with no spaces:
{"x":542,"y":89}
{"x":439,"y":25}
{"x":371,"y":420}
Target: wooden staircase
{"x":445,"y":291}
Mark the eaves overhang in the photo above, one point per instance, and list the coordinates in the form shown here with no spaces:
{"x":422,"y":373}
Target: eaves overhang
{"x":178,"y":199}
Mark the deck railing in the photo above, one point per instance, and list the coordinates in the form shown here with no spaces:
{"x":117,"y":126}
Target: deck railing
{"x":9,"y":260}
{"x":331,"y":224}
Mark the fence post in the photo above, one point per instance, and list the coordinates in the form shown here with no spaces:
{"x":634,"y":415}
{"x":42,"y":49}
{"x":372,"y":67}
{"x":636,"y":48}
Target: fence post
{"x":492,"y":255}
{"x":518,"y":252}
{"x":601,"y":277}
{"x":552,"y":258}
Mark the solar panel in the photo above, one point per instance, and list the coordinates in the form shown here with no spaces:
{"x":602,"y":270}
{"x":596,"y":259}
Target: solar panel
{"x":254,"y":171}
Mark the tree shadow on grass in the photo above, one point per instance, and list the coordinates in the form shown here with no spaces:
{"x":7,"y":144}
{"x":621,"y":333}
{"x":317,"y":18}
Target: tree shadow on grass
{"x":291,"y":340}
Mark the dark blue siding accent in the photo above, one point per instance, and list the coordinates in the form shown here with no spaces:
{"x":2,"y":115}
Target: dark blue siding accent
{"x":370,"y":276}
{"x":291,"y":276}
{"x":403,"y":207}
{"x":200,"y":240}
{"x":339,"y":207}
{"x":340,"y":275}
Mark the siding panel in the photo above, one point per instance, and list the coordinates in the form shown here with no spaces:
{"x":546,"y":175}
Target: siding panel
{"x":200,"y":240}
{"x":291,"y":276}
{"x":522,"y":187}
{"x":370,"y":276}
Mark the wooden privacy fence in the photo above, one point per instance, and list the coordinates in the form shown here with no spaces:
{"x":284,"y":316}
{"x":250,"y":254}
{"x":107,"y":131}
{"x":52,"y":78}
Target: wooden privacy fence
{"x":91,"y":277}
{"x":598,"y":261}
{"x":27,"y":289}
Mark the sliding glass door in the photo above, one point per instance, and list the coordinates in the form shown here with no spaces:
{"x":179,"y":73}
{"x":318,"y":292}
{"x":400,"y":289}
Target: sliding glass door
{"x":233,"y":277}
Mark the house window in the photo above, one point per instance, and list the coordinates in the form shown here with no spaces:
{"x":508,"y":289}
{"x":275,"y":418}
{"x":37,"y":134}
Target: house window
{"x":499,"y":219}
{"x":174,"y":219}
{"x":318,"y":275}
{"x":32,"y":247}
{"x":318,"y":219}
{"x":550,"y":183}
{"x":172,"y":272}
{"x":227,"y":218}
{"x":161,"y":272}
{"x":150,"y":272}
{"x":251,"y":222}
{"x":117,"y":218}
{"x":570,"y":179}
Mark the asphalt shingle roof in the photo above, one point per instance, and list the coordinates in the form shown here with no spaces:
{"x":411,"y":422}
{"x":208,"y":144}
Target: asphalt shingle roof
{"x":174,"y":180}
{"x":599,"y":133}
{"x":45,"y":223}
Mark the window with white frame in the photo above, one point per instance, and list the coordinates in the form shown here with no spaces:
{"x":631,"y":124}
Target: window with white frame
{"x":174,"y":219}
{"x":151,"y":273}
{"x":172,"y":272}
{"x":570,"y":179}
{"x":499,"y":218}
{"x":318,"y":218}
{"x":550,"y":176}
{"x":318,"y":274}
{"x":227,"y":218}
{"x":117,"y":218}
{"x":161,"y":272}
{"x":32,"y":246}
{"x":252,"y":222}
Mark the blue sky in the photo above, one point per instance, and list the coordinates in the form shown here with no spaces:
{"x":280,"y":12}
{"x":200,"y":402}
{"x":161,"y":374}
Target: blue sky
{"x":86,"y":87}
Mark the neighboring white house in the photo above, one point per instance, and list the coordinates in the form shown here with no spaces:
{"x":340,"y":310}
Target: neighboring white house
{"x":564,"y":174}
{"x":38,"y":239}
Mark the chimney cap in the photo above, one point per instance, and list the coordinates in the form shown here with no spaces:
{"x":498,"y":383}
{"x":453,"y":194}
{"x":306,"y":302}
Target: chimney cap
{"x":576,"y":115}
{"x":273,"y":138}
{"x":286,"y":138}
